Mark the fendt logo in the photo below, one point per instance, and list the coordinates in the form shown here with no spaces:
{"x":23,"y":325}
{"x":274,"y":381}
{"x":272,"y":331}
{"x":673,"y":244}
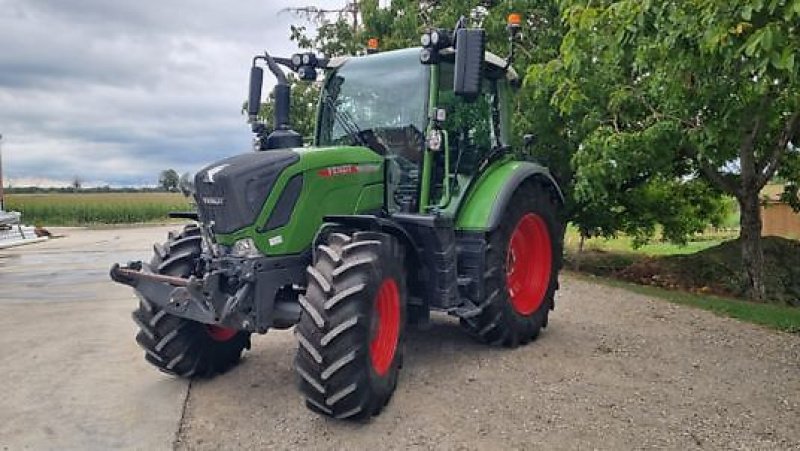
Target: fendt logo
{"x":333,"y":171}
{"x":338,"y":170}
{"x":213,"y":201}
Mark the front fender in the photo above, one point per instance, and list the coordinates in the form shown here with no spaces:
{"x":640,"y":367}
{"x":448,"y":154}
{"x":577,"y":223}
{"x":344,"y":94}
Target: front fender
{"x":487,"y":200}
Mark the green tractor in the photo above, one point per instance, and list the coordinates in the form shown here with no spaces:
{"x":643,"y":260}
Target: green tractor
{"x":409,"y":200}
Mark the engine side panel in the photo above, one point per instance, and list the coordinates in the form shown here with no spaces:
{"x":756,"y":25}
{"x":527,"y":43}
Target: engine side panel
{"x":335,"y":180}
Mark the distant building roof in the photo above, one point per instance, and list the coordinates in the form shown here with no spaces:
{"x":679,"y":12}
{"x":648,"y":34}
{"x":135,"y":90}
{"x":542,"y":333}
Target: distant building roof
{"x":772,"y":193}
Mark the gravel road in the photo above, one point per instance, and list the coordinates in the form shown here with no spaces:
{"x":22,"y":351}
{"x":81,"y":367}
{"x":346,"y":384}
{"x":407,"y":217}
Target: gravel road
{"x":615,"y":370}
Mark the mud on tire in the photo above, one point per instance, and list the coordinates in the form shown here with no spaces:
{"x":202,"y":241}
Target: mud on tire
{"x":351,"y":329}
{"x":179,"y":346}
{"x":523,"y":259}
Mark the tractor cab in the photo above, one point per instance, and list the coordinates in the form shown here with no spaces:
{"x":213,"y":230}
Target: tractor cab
{"x":383,"y":101}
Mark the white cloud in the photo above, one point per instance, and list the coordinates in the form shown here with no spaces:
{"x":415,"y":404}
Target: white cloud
{"x":117,"y":91}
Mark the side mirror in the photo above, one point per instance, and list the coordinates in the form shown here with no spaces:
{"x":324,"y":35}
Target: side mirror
{"x":470,"y":47}
{"x":254,"y":100}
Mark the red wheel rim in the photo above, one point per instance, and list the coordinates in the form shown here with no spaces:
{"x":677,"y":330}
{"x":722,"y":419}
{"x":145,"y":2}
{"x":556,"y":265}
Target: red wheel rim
{"x":387,"y":332}
{"x":218,"y":333}
{"x":528,"y":265}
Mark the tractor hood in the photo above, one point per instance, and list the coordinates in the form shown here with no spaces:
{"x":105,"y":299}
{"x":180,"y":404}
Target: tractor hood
{"x":278,"y":198}
{"x":230,"y":193}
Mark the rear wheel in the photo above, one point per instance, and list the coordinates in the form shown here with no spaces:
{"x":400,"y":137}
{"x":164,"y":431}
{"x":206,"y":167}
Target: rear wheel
{"x":179,"y":346}
{"x":351,"y":330}
{"x":523,"y":259}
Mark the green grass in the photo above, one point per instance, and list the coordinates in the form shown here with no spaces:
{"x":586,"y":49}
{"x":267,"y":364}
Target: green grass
{"x":624,"y":244}
{"x":72,"y":209}
{"x":778,"y":317}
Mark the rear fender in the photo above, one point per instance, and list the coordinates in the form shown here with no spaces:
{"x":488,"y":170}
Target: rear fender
{"x":484,"y":205}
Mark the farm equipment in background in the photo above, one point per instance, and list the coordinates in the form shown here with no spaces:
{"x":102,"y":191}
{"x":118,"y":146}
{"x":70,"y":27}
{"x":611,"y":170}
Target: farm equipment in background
{"x":12,"y":231}
{"x":410,"y":200}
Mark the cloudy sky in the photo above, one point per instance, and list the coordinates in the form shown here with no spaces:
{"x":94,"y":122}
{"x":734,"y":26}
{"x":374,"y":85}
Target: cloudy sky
{"x":115,"y":91}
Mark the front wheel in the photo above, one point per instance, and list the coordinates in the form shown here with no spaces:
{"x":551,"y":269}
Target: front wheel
{"x":180,"y":346}
{"x":351,"y":329}
{"x":523,"y":258}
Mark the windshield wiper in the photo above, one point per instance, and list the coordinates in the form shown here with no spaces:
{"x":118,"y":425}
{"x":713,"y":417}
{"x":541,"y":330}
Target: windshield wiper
{"x":345,"y":120}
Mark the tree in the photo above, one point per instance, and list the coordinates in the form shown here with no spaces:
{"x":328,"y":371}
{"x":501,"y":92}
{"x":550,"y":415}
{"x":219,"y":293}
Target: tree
{"x":694,"y":96}
{"x":606,"y":192}
{"x":401,"y":25}
{"x":168,"y":180}
{"x":77,"y":183}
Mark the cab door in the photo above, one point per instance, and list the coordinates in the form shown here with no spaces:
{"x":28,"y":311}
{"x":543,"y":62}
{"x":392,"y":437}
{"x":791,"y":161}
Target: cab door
{"x":471,"y":130}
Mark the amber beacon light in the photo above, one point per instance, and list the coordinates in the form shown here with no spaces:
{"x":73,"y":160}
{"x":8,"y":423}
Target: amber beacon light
{"x":372,"y":45}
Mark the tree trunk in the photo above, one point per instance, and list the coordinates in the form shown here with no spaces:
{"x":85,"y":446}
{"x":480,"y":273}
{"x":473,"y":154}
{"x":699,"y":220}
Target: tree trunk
{"x":579,"y":257}
{"x":750,"y":238}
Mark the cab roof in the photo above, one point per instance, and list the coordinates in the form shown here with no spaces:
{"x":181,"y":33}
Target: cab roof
{"x":497,"y":63}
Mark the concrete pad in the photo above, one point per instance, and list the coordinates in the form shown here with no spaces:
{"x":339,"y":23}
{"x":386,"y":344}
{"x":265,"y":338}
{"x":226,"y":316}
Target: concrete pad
{"x":21,"y":242}
{"x":73,"y":376}
{"x":614,"y":370}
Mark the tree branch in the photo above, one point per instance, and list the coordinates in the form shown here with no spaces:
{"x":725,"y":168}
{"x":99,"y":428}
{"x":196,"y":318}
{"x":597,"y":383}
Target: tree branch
{"x":716,"y":177}
{"x":658,"y":115}
{"x":770,"y":164}
{"x":722,"y":181}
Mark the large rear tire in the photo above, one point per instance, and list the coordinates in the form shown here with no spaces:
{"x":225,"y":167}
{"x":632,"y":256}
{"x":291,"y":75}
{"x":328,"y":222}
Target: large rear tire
{"x":351,"y":329}
{"x":180,"y":346}
{"x":523,"y":259}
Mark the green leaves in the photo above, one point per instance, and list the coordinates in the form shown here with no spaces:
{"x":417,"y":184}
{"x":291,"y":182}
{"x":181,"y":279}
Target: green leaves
{"x":627,"y":97}
{"x":765,"y":40}
{"x":645,"y":90}
{"x":303,"y":107}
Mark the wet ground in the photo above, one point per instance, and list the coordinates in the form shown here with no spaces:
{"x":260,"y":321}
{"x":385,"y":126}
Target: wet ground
{"x":73,"y":377}
{"x":615,"y":370}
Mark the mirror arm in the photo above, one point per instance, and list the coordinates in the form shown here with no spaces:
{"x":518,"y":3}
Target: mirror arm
{"x":285,"y":62}
{"x":275,"y":69}
{"x":321,"y":63}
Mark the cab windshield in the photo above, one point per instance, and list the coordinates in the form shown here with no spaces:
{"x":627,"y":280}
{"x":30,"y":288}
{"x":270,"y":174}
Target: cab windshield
{"x":377,"y":101}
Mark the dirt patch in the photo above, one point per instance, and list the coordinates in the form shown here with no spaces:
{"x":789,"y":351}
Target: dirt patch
{"x":717,"y":270}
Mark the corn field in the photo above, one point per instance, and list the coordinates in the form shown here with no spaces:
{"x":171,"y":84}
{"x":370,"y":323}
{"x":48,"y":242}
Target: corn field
{"x":72,"y":209}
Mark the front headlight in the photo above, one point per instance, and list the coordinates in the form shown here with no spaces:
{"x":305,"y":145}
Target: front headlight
{"x":186,"y":184}
{"x":245,"y":248}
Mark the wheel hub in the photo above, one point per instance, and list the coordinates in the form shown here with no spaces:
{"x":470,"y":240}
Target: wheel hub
{"x":219,"y":333}
{"x":387,"y":331}
{"x":529,"y":263}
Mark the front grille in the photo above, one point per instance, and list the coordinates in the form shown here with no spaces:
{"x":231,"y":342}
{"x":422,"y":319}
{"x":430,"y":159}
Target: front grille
{"x":209,"y":207}
{"x":231,"y":193}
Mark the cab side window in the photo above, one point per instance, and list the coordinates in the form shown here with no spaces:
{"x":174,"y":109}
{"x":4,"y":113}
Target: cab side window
{"x":469,"y":125}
